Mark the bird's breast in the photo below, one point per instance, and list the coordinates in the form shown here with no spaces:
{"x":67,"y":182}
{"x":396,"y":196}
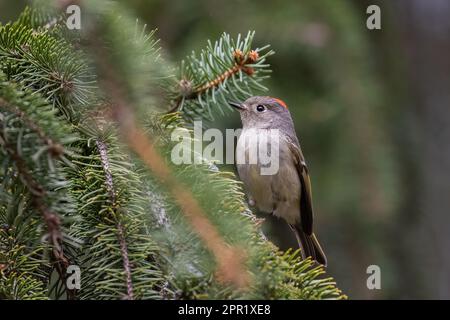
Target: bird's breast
{"x":277,"y":192}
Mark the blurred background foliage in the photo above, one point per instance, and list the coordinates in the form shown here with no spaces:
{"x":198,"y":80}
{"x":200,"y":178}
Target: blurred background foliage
{"x":371,"y":109}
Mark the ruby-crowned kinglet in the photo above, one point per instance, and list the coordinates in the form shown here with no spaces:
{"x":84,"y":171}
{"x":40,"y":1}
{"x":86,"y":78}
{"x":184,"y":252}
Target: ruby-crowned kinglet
{"x":286,"y":193}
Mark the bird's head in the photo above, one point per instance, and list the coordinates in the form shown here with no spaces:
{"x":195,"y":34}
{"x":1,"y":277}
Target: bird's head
{"x":262,"y":112}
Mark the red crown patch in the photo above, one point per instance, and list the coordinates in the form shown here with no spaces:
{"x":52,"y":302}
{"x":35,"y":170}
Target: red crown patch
{"x":281,"y":102}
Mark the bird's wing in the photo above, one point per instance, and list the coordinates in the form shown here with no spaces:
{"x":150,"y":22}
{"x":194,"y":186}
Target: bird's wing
{"x":306,"y":210}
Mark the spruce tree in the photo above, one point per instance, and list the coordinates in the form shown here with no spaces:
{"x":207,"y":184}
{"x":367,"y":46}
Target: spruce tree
{"x":86,"y":118}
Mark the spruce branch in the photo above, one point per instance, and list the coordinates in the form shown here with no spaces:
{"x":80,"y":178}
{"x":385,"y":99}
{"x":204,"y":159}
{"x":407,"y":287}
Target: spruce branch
{"x":242,"y":63}
{"x":46,"y":64}
{"x":225,"y":71}
{"x":54,"y":148}
{"x":118,"y":256}
{"x":23,"y":270}
{"x":229,"y":259}
{"x":14,"y":125}
{"x":102,"y":148}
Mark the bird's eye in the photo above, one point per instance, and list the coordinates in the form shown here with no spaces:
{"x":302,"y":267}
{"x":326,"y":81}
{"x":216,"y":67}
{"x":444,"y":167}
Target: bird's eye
{"x":260,"y":108}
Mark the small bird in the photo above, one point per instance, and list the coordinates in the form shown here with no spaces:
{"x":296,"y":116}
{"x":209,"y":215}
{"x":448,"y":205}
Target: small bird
{"x":287,"y":192}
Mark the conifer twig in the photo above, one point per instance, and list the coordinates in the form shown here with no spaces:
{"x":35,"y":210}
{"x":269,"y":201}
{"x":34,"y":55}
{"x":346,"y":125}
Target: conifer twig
{"x":103,"y":150}
{"x":242,"y":63}
{"x":51,"y":219}
{"x":54,"y":148}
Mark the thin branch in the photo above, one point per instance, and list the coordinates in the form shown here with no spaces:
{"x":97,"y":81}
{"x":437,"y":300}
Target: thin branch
{"x":103,"y":150}
{"x":241,"y":64}
{"x":126,"y":261}
{"x":54,"y":148}
{"x":51,"y":219}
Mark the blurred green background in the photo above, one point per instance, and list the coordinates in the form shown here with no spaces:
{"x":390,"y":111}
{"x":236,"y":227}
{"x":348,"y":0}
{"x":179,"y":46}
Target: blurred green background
{"x":372,"y":111}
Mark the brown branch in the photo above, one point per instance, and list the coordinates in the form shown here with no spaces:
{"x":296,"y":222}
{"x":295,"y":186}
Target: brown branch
{"x":103,"y":150}
{"x":51,"y":219}
{"x":54,"y":148}
{"x":241,"y":64}
{"x":126,"y":261}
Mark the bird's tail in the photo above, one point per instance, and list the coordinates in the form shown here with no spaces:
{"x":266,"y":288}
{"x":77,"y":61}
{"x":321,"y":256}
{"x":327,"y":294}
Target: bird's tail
{"x":310,"y":246}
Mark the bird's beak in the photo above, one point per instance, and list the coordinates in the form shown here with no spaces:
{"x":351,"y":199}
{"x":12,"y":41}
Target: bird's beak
{"x":236,"y":105}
